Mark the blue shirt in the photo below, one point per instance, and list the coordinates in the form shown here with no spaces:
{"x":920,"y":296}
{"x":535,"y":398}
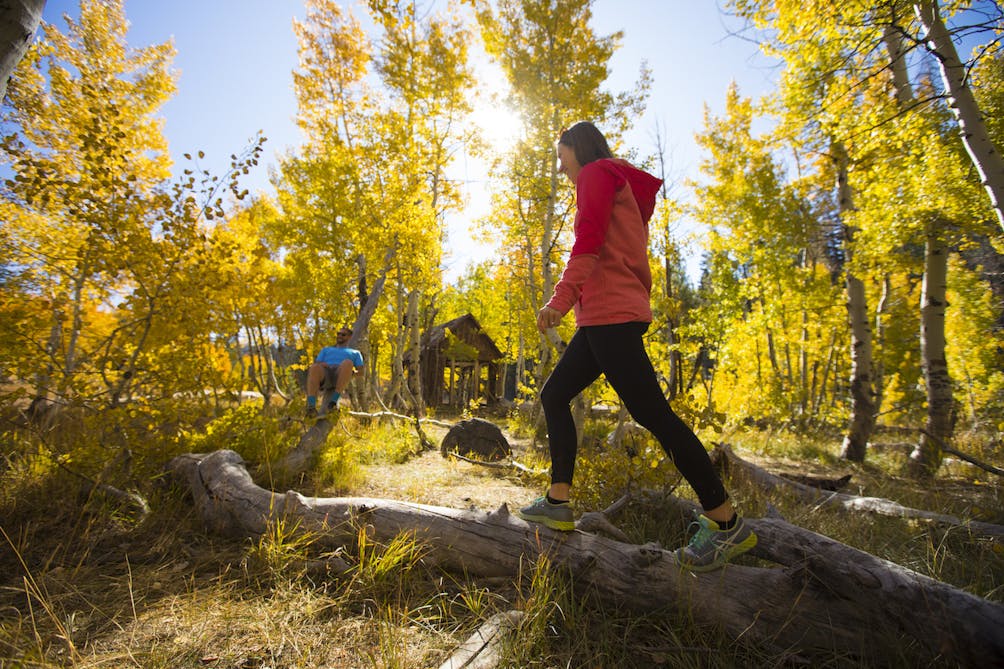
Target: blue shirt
{"x":335,"y":355}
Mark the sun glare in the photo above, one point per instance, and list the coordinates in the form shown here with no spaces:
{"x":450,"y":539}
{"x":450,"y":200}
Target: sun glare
{"x":499,"y":126}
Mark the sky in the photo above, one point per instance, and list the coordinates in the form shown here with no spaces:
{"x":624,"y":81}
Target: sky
{"x":235,"y":60}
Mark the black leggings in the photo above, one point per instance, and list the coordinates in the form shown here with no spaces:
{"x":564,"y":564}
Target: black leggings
{"x":618,"y":352}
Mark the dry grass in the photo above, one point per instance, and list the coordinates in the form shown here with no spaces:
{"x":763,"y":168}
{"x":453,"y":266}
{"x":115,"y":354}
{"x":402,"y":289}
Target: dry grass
{"x":85,"y":584}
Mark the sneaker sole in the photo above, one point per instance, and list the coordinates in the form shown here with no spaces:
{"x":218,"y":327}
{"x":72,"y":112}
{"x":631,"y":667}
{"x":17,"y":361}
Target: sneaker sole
{"x":735,"y":551}
{"x":560,"y":525}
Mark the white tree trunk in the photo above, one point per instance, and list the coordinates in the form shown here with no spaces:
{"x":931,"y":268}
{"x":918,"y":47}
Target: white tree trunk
{"x":414,"y":346}
{"x":18,"y":21}
{"x":395,"y":396}
{"x":926,"y":458}
{"x":862,"y":394}
{"x":878,"y":368}
{"x":986,"y":157}
{"x":900,"y":75}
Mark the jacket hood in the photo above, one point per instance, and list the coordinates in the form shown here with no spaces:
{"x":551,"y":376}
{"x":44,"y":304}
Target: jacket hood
{"x":644,"y":186}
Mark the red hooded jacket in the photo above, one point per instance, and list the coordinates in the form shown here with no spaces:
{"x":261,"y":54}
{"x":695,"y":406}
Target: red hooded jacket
{"x":607,"y":278}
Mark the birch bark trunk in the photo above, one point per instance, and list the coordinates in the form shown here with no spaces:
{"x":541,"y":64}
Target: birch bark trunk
{"x":18,"y":21}
{"x":985,"y":156}
{"x":862,"y":394}
{"x":415,"y":348}
{"x":926,"y":458}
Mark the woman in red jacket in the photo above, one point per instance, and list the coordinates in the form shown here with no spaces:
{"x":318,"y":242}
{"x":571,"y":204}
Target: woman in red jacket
{"x":608,"y":283}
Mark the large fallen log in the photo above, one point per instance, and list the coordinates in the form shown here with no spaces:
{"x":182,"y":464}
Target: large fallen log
{"x":859,"y":576}
{"x":724,"y":456}
{"x":787,"y":608}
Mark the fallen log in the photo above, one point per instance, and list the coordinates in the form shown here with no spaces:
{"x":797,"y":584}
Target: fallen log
{"x":908,"y":447}
{"x":973,"y":461}
{"x":724,"y":456}
{"x":929,"y":606}
{"x":399,"y":416}
{"x":781,"y":608}
{"x":483,"y":649}
{"x":945,"y":448}
{"x":820,"y":482}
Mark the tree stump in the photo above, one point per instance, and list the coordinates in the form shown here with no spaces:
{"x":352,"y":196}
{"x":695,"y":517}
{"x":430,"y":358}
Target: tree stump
{"x":476,"y":437}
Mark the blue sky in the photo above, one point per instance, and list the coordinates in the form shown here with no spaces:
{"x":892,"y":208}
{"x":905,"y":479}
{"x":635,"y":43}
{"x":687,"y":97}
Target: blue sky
{"x":235,"y":59}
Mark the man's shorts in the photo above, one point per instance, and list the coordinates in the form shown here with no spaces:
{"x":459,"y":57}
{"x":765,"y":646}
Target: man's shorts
{"x":330,"y":379}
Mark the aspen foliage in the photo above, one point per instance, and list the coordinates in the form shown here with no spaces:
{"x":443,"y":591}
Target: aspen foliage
{"x":87,"y":154}
{"x":770,"y":307}
{"x":113,"y":273}
{"x":847,"y":80}
{"x":381,"y":114}
{"x":556,"y":66}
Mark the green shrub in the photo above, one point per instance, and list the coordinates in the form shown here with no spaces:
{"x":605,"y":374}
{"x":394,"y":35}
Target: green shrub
{"x":249,"y":429}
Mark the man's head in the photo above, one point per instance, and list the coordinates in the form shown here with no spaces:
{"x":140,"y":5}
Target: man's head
{"x":343,"y":336}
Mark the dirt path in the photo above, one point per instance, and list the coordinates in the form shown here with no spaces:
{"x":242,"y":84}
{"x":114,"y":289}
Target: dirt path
{"x":432,"y":479}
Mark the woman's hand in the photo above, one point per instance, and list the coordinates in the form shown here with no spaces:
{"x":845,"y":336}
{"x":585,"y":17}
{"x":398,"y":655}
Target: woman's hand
{"x":548,"y":318}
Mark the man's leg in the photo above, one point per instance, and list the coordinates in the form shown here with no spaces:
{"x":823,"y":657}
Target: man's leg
{"x":342,"y":377}
{"x":315,"y":373}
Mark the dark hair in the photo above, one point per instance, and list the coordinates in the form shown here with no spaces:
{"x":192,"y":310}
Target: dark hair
{"x":587,"y":141}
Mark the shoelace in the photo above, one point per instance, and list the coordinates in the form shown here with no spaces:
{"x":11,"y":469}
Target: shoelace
{"x":703,"y":536}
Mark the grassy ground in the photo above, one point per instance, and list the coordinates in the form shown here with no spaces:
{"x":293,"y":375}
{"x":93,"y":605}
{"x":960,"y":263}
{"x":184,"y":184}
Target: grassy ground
{"x":85,"y":582}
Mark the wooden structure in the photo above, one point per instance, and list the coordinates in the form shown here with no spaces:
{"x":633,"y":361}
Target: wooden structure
{"x":460,"y":364}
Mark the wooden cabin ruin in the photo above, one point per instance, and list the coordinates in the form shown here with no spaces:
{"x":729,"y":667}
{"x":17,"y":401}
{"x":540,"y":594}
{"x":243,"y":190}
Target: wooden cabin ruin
{"x":460,"y":364}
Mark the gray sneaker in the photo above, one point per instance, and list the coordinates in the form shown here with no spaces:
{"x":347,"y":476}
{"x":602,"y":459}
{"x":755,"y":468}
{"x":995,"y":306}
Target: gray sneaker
{"x":555,"y":516}
{"x":711,"y":547}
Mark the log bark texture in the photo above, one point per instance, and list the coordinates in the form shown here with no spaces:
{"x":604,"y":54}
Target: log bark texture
{"x":791,"y":607}
{"x":916,"y":605}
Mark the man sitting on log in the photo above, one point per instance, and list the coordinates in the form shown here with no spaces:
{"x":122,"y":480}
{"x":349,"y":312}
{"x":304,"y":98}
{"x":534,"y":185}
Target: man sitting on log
{"x":331,"y":372}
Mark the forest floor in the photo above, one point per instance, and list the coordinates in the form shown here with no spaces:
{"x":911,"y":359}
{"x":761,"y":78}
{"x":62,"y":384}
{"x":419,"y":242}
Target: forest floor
{"x":85,"y":584}
{"x":429,"y":478}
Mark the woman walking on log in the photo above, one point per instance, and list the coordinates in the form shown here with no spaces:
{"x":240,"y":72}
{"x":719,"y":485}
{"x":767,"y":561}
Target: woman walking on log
{"x":608,"y":283}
